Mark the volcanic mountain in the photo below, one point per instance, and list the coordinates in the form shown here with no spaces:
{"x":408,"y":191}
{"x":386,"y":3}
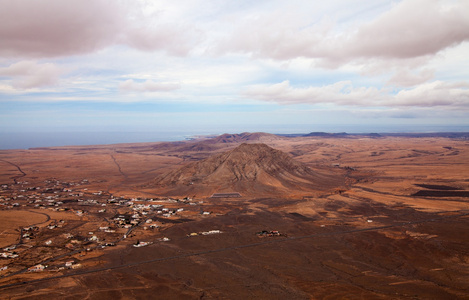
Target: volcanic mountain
{"x":244,"y":137}
{"x":226,"y":141}
{"x":249,"y":169}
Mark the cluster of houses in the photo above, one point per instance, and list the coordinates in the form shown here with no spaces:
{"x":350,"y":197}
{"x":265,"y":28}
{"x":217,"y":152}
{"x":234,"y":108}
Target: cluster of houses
{"x":216,"y":231}
{"x":55,"y":224}
{"x":50,"y":196}
{"x":28,"y":233}
{"x":54,"y":194}
{"x":268,"y":233}
{"x":71,"y":264}
{"x":74,"y":197}
{"x":141,"y":211}
{"x":126,"y":220}
{"x":37,"y":268}
{"x":142,"y":244}
{"x":8,"y":253}
{"x":142,"y":208}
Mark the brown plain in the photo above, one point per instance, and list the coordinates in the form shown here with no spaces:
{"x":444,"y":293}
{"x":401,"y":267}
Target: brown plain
{"x":364,"y":237}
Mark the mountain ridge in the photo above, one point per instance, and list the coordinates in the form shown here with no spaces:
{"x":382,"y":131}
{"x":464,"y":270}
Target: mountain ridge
{"x":250,"y":168}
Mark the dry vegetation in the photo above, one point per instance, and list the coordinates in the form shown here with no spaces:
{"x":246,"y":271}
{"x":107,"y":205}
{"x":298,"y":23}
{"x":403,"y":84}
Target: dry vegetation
{"x":365,"y":234}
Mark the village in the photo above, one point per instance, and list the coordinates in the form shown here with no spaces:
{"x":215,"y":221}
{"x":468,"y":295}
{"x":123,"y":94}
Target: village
{"x":102,"y":234}
{"x":80,"y":224}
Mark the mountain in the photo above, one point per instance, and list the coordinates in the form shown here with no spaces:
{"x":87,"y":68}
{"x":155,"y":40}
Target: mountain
{"x":243,"y":137}
{"x":326,"y":134}
{"x":250,"y":169}
{"x":205,"y":148}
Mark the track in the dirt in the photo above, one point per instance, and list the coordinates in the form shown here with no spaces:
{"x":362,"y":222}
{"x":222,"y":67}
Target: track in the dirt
{"x":376,"y":228}
{"x":19,"y":169}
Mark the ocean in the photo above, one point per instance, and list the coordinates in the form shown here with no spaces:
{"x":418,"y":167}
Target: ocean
{"x":25,"y":140}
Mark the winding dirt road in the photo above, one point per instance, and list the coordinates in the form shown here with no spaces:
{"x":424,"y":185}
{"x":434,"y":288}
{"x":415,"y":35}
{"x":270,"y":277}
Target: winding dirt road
{"x":19,"y":169}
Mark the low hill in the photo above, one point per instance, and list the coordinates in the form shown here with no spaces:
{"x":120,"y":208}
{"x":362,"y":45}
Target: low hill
{"x":250,"y":169}
{"x":243,"y":137}
{"x":224,"y":142}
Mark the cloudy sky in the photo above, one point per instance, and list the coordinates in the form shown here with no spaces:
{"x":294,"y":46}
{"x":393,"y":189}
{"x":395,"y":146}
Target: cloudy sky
{"x":230,"y":66}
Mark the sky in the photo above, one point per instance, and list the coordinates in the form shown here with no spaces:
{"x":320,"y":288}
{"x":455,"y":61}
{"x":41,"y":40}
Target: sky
{"x":207,"y":66}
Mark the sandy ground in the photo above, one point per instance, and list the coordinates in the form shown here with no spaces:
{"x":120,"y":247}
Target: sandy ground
{"x":371,"y":240}
{"x":12,"y":220}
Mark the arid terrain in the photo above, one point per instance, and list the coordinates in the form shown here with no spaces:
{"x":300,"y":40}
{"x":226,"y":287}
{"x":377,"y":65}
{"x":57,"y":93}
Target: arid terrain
{"x":238,"y":216}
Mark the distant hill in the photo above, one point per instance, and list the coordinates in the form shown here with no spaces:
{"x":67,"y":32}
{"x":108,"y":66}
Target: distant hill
{"x":327,"y":134}
{"x":250,"y":169}
{"x":332,"y":135}
{"x":454,"y":135}
{"x":225,"y":141}
{"x":242,"y":137}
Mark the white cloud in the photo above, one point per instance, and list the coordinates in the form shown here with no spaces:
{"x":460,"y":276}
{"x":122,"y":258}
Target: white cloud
{"x":405,"y":77}
{"x":410,"y":29}
{"x":341,"y":92}
{"x":53,"y":28}
{"x":282,"y":31}
{"x":370,"y":53}
{"x":436,"y":93}
{"x":175,"y":41}
{"x":30,"y":74}
{"x":148,"y":86}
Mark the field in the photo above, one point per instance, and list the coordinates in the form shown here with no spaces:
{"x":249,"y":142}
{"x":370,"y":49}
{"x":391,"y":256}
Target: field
{"x":390,"y":222}
{"x":12,"y":220}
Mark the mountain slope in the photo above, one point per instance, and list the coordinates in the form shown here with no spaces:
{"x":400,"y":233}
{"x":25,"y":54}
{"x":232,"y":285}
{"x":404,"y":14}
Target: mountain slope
{"x":243,"y":137}
{"x":204,"y":148}
{"x":250,"y":169}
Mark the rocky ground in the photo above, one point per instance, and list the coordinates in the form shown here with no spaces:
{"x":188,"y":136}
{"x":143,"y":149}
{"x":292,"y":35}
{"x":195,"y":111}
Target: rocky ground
{"x":376,"y":231}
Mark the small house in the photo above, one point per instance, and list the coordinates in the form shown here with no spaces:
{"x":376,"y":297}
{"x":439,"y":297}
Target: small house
{"x":37,"y":268}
